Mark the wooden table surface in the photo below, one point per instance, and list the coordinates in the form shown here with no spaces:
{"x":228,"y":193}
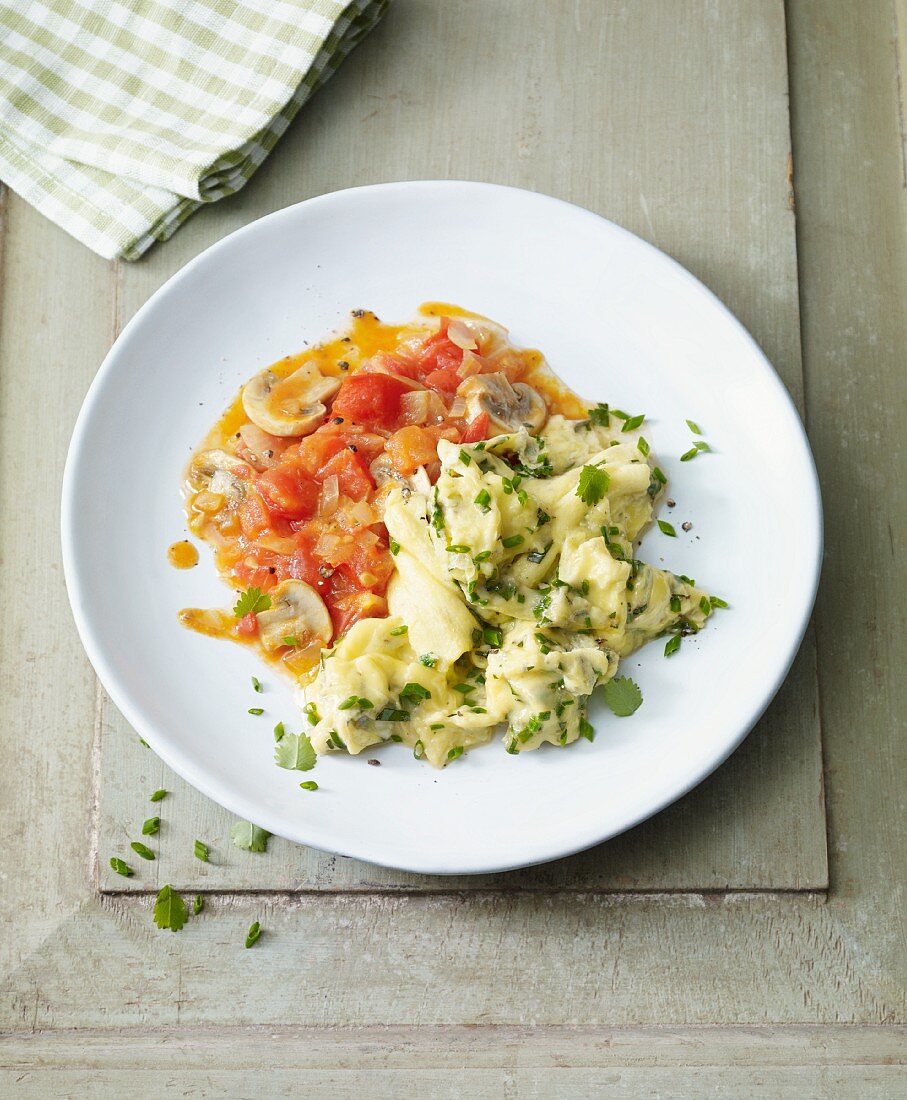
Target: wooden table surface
{"x":749,"y":940}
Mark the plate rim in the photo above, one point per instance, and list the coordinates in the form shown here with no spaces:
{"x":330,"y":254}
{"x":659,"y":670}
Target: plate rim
{"x":197,"y":777}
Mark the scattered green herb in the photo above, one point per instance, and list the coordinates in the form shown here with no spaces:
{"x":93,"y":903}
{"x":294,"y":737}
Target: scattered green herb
{"x":399,"y":630}
{"x":251,"y":602}
{"x":673,"y":644}
{"x":169,"y":909}
{"x":249,"y":837}
{"x":667,"y":528}
{"x":201,"y":851}
{"x":295,"y":753}
{"x":309,"y":785}
{"x":256,"y":710}
{"x":256,"y":685}
{"x":253,"y":934}
{"x":121,"y":867}
{"x":159,"y":794}
{"x":633,"y":422}
{"x":512,"y":540}
{"x":593,"y":484}
{"x":197,"y":905}
{"x":151,"y":826}
{"x":142,"y":850}
{"x":623,"y":696}
{"x":694,"y":427}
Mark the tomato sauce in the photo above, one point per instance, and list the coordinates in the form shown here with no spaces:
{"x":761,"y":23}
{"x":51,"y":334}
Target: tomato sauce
{"x":310,"y":506}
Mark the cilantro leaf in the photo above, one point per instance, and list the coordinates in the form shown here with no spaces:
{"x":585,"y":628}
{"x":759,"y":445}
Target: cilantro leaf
{"x":249,"y":837}
{"x":593,"y":483}
{"x":294,"y":751}
{"x":623,"y":696}
{"x":169,"y":910}
{"x":251,"y":602}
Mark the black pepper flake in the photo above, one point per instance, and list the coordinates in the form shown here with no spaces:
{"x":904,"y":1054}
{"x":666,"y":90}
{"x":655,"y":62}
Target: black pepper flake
{"x":359,"y":312}
{"x":353,"y":448}
{"x":337,"y":420}
{"x":271,"y":569}
{"x":375,"y":763}
{"x":671,"y":503}
{"x":686,"y":526}
{"x":343,"y":364}
{"x":346,"y":339}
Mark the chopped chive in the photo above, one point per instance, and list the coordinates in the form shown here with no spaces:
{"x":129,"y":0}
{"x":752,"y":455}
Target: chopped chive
{"x":394,"y":547}
{"x":465,"y":457}
{"x":586,"y":729}
{"x":457,"y":548}
{"x":419,"y":749}
{"x":256,"y":684}
{"x":311,"y":712}
{"x":456,"y":751}
{"x":694,"y":427}
{"x":279,"y":731}
{"x":633,"y":422}
{"x":158,"y":795}
{"x":483,"y":499}
{"x":348,"y":704}
{"x":717,"y":601}
{"x":151,"y":826}
{"x":512,"y":540}
{"x":198,"y":905}
{"x":290,"y":639}
{"x":705,"y":605}
{"x":256,"y":710}
{"x":667,"y":528}
{"x":392,"y":714}
{"x":493,"y":637}
{"x":201,"y":851}
{"x":121,"y":867}
{"x":673,"y":645}
{"x":415,"y":691}
{"x":309,"y":785}
{"x":690,"y":454}
{"x":675,"y":604}
{"x":643,"y":446}
{"x":483,"y":555}
{"x":253,"y":934}
{"x":142,"y":850}
{"x":336,"y":740}
{"x":620,"y":414}
{"x":464,"y":689}
{"x":398,"y":630}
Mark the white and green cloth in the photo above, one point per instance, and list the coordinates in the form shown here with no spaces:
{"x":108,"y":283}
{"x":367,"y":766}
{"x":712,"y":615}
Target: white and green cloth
{"x":119,"y":118}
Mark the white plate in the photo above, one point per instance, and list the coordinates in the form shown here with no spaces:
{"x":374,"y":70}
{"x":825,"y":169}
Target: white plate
{"x":619,"y":322}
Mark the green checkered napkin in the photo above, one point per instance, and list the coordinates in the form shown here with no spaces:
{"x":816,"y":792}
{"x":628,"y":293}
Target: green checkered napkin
{"x":119,"y":118}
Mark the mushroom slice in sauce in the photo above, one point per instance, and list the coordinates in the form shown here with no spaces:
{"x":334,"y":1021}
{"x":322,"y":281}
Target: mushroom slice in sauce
{"x":289,"y":406}
{"x":508,"y":406}
{"x":298,"y":612}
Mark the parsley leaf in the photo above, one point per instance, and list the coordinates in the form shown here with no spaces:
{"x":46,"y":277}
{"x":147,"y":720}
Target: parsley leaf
{"x":593,"y":483}
{"x":249,"y":837}
{"x":294,"y":751}
{"x":169,"y":910}
{"x":251,"y":602}
{"x":623,"y":696}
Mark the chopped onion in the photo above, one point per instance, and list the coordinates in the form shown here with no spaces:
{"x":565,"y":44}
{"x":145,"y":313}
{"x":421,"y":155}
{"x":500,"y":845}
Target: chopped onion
{"x":361,"y":514}
{"x":458,"y":408}
{"x":326,"y":544}
{"x":471,"y":364}
{"x":330,"y":496}
{"x":263,"y":450}
{"x":279,"y":544}
{"x":423,"y":407}
{"x":459,"y":333}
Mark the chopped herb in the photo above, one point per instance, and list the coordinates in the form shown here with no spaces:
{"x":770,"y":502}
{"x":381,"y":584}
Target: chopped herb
{"x":159,"y":794}
{"x":673,"y":644}
{"x":311,"y":712}
{"x":622,"y":696}
{"x":437,"y":518}
{"x":535,"y":556}
{"x":169,"y":909}
{"x":348,"y":704}
{"x":197,"y":905}
{"x":419,"y":749}
{"x":483,"y":499}
{"x":336,"y":740}
{"x":484,"y":555}
{"x":694,"y":427}
{"x":295,"y":753}
{"x":675,"y":604}
{"x":415,"y":691}
{"x":290,"y":640}
{"x":586,"y":729}
{"x":643,"y":446}
{"x":600,"y":415}
{"x":428,"y":660}
{"x":151,"y":826}
{"x":705,"y":605}
{"x":542,"y":518}
{"x":593,"y":484}
{"x":249,"y":837}
{"x":458,"y":548}
{"x":493,"y":637}
{"x":512,"y":540}
{"x":456,"y":751}
{"x":717,"y":601}
{"x":256,"y":710}
{"x":279,"y":731}
{"x":142,"y":850}
{"x":436,"y":726}
{"x":256,"y":685}
{"x":659,"y":475}
{"x":394,"y":547}
{"x":464,"y":689}
{"x":392,"y":714}
{"x":667,"y":528}
{"x":309,"y":785}
{"x":251,"y":602}
{"x":201,"y":851}
{"x":121,"y":867}
{"x":699,"y":445}
{"x":399,"y":630}
{"x":253,"y":934}
{"x":465,"y":457}
{"x":633,"y":422}
{"x":620,"y":414}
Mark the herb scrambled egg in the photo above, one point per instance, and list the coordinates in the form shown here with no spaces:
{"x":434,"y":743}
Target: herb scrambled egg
{"x":516,"y":594}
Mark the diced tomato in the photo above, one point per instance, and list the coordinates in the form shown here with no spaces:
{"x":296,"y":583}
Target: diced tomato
{"x":287,"y":490}
{"x":372,"y":400}
{"x":253,"y":515}
{"x":439,"y":352}
{"x":352,"y":474}
{"x":476,"y":429}
{"x":410,"y":448}
{"x":248,"y":625}
{"x":445,"y":381}
{"x":316,"y":449}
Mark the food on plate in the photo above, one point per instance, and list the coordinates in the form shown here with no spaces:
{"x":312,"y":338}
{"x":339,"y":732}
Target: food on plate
{"x":435,"y":539}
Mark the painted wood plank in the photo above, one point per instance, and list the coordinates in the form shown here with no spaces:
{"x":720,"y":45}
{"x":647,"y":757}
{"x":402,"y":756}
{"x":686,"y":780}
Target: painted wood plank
{"x":692,"y":153}
{"x":534,"y":1062}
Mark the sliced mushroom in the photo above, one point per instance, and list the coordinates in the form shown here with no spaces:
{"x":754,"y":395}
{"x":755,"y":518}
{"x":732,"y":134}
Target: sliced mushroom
{"x":288,"y":406}
{"x":220,"y":472}
{"x":298,"y":612}
{"x":508,"y":406}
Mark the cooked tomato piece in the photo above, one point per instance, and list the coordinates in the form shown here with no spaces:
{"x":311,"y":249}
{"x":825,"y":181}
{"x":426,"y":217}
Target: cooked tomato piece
{"x":410,"y":448}
{"x":287,"y":490}
{"x":248,"y":625}
{"x":254,"y":517}
{"x":370,"y":399}
{"x":353,"y":477}
{"x":316,"y":449}
{"x":476,"y":429}
{"x":445,"y":381}
{"x":439,"y":352}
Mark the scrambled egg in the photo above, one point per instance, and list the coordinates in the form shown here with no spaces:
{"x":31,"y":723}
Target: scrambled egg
{"x":516,"y":594}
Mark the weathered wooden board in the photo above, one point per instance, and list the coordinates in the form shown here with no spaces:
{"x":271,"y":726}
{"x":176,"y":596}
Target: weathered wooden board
{"x":717,"y":97}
